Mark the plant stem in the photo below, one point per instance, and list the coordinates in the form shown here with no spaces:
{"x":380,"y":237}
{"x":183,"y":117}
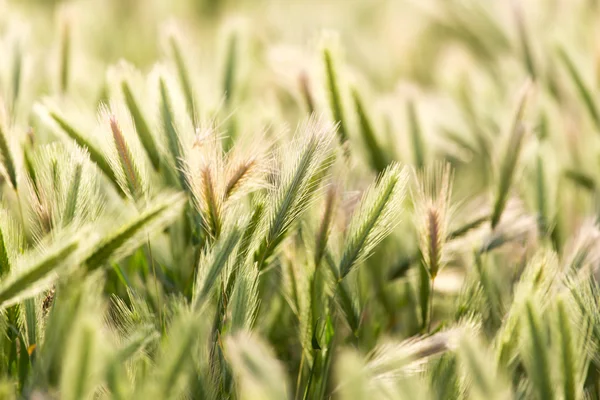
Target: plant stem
{"x":430,"y":315}
{"x":158,"y":302}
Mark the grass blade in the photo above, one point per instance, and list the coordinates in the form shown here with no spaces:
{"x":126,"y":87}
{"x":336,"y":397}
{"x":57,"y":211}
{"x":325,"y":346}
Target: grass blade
{"x":141,"y":126}
{"x":510,"y":160}
{"x":213,"y":264}
{"x":537,"y":362}
{"x":335,"y":97}
{"x":170,"y":131}
{"x":583,"y":89}
{"x":379,"y":159}
{"x":95,"y":155}
{"x":184,"y":79}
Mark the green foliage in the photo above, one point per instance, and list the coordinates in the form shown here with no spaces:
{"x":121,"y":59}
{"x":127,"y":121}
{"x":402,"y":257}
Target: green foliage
{"x":247,"y":214}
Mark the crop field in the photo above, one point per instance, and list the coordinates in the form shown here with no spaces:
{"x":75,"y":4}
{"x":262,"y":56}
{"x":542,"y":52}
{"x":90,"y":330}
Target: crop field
{"x":299,"y":199}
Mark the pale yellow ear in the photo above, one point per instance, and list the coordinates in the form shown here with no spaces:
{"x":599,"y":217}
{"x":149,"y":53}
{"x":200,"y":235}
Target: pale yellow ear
{"x":432,"y":201}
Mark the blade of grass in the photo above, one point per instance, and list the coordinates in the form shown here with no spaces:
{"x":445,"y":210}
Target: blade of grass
{"x":184,"y":79}
{"x":582,"y":88}
{"x":416,"y":135}
{"x":510,"y":160}
{"x":379,"y":159}
{"x":95,"y":155}
{"x":141,"y":126}
{"x":335,"y":97}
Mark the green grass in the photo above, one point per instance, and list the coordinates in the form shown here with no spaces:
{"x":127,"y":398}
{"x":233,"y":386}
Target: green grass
{"x":219,"y":199}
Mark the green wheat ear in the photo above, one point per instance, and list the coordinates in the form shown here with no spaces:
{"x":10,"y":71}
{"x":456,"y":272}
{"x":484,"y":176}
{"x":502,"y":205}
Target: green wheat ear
{"x":297,"y":186}
{"x":128,"y":166}
{"x":374,"y":219}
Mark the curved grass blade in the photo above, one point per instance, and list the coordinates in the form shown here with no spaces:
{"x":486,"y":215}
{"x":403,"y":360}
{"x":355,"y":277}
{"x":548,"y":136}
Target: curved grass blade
{"x":583,"y":89}
{"x":379,"y":159}
{"x":95,"y":155}
{"x":335,"y":97}
{"x":141,"y":126}
{"x":509,"y":161}
{"x":184,"y":79}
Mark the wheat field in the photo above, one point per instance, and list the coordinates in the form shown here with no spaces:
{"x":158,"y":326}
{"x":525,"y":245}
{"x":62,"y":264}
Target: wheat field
{"x":299,"y":199}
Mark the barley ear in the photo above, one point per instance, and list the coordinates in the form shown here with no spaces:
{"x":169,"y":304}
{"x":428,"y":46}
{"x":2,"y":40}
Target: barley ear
{"x":374,"y":218}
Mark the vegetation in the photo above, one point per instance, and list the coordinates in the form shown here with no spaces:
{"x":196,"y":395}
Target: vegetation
{"x":221,"y":199}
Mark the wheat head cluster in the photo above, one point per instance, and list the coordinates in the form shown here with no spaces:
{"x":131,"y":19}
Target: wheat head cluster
{"x":296,"y":199}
